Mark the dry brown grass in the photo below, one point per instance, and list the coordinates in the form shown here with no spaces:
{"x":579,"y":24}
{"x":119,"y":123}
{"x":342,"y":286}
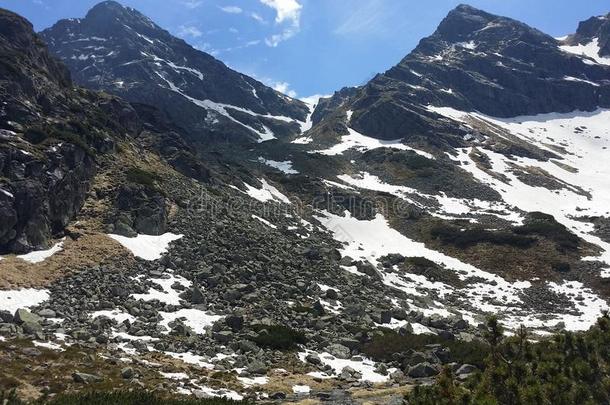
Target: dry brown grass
{"x":283,"y":382}
{"x":93,"y":247}
{"x":88,"y":250}
{"x":374,"y":396}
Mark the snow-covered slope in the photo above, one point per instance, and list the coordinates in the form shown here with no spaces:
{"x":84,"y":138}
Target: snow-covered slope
{"x":444,"y":134}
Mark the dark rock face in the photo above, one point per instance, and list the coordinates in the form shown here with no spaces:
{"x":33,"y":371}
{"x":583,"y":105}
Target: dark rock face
{"x":42,"y":183}
{"x":119,"y":50}
{"x":476,"y":61}
{"x":327,"y":105}
{"x":45,"y":194}
{"x":593,"y":29}
{"x":54,"y":136}
{"x":141,"y":210}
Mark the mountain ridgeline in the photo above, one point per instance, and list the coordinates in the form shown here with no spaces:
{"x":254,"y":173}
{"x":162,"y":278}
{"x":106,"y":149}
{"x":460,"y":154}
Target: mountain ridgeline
{"x":119,"y":50}
{"x":476,"y":61}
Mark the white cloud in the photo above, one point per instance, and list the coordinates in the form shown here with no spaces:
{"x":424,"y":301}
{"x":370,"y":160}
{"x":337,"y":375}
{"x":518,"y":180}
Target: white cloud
{"x":286,"y":10}
{"x":313,"y":100}
{"x":238,"y":47}
{"x":288,"y":13}
{"x":185,"y":31}
{"x":371,"y":17}
{"x":192,"y":3}
{"x":233,"y":30}
{"x":232,"y":9}
{"x":284,"y":87}
{"x":258,"y":18}
{"x":207,"y":47}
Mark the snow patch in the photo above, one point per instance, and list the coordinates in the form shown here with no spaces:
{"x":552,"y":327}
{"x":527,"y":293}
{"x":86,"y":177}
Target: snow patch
{"x":301,"y":389}
{"x":264,"y":221}
{"x":266,"y":193}
{"x":195,"y":319}
{"x":251,"y":381}
{"x":115,"y":314}
{"x":49,"y":345}
{"x":147,"y":247}
{"x":585,"y":137}
{"x":365,"y":367}
{"x":191,"y":358}
{"x":590,"y":50}
{"x":41,"y":255}
{"x":12,"y":300}
{"x":167,"y":294}
{"x":363,"y":143}
{"x":175,"y":376}
{"x":284,"y":166}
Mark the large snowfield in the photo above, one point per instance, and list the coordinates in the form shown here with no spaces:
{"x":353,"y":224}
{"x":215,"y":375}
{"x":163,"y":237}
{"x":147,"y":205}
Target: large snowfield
{"x":580,"y":141}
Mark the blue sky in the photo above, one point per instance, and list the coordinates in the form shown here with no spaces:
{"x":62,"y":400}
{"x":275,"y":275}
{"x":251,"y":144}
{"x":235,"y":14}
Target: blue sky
{"x":307,"y":47}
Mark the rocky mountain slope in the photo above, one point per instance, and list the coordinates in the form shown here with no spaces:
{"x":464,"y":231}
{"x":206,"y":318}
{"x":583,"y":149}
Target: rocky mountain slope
{"x":121,"y":51}
{"x":346,"y":263}
{"x":440,"y":142}
{"x":592,"y":39}
{"x":165,"y":274}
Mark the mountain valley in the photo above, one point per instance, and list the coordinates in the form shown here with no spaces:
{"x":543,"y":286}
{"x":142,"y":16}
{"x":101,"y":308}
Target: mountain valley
{"x":169,"y":223}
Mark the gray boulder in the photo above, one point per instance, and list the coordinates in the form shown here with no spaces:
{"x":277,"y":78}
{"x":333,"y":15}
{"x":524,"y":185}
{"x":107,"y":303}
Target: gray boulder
{"x":339,"y":351}
{"x":257,"y":367}
{"x":197,"y":296}
{"x":84,"y":378}
{"x":423,"y":370}
{"x":22,"y":315}
{"x":314,"y":359}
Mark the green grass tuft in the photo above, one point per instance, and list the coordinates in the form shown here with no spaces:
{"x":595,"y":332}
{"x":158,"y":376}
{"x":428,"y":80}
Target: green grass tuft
{"x":138,"y":176}
{"x":451,"y":235}
{"x":278,"y":337}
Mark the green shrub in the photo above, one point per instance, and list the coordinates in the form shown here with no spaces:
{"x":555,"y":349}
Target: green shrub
{"x":138,"y":176}
{"x":278,"y":337}
{"x":451,"y":235}
{"x":383,"y":346}
{"x":420,"y":262}
{"x":10,"y":398}
{"x":546,"y":226}
{"x":561,"y":267}
{"x":73,"y":139}
{"x":417,"y":162}
{"x":303,"y":309}
{"x":567,"y":368}
{"x":36,"y":135}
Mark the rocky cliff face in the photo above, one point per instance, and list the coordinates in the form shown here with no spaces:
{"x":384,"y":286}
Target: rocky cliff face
{"x":54,"y":136}
{"x":45,"y":166}
{"x":476,"y":61}
{"x":117,"y":49}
